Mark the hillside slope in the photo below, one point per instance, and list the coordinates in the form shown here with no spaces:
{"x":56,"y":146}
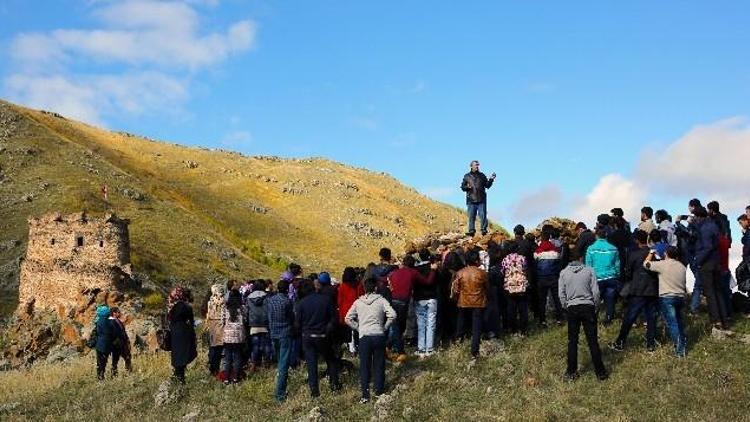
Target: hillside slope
{"x":199,"y":213}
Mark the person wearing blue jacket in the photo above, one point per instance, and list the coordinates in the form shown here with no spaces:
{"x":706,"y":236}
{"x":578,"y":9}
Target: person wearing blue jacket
{"x":706,"y":261}
{"x":604,"y":258}
{"x":105,"y":336}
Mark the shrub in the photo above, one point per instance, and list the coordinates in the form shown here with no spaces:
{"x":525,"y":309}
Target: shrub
{"x":154,"y":301}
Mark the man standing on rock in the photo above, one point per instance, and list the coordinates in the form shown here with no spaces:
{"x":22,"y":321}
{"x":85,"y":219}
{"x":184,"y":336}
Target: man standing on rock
{"x":475,"y":184}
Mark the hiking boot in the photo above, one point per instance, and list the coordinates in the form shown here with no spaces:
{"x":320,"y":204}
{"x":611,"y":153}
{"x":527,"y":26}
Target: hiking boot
{"x":651,"y":348}
{"x":484,"y":233}
{"x":570,"y":377}
{"x":227,"y":382}
{"x":602,"y":376}
{"x":401,"y":358}
{"x":470,"y":234}
{"x":543,"y":324}
{"x":364,"y":400}
{"x":617,"y":346}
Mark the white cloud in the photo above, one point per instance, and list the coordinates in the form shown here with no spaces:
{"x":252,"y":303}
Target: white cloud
{"x":612,"y":190}
{"x":88,"y":97}
{"x":538,"y":205}
{"x":709,"y":160}
{"x":439,"y":192}
{"x":237,"y":137}
{"x":155,"y":45}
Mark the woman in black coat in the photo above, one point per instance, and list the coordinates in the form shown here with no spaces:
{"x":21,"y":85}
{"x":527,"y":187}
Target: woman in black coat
{"x":182,"y":329}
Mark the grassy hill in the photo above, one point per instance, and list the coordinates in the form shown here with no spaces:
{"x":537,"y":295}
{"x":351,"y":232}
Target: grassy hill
{"x":196,"y":213}
{"x":518,"y":379}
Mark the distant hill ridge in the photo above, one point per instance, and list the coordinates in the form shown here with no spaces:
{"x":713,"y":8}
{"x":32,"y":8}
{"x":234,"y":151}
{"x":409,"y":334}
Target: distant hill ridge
{"x":199,"y":213}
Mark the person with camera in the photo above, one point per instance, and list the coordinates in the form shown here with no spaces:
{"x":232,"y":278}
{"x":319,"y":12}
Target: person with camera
{"x":475,"y":184}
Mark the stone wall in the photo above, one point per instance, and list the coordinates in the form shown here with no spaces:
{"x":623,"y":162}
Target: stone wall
{"x":70,"y":256}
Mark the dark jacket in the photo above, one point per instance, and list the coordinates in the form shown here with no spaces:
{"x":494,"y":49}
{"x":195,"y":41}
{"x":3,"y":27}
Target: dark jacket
{"x":121,"y":342}
{"x":182,"y":327}
{"x":746,"y":246}
{"x":585,"y":239}
{"x":105,"y":336}
{"x":547,"y":257}
{"x":475,"y":185}
{"x":722,"y":221}
{"x":707,"y":244}
{"x":426,"y":291}
{"x":257,"y":309}
{"x":640,"y":281}
{"x":314,"y":315}
{"x":687,"y":238}
{"x":280,"y":316}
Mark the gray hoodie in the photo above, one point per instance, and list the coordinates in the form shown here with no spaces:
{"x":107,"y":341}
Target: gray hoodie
{"x":371,"y":315}
{"x":578,"y":285}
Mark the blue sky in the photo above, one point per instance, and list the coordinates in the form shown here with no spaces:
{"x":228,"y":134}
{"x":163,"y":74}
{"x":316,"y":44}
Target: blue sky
{"x":578,"y":106}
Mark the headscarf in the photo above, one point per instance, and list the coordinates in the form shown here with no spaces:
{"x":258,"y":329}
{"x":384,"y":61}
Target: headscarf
{"x":176,"y":295}
{"x":287,"y":276}
{"x":216,"y":302}
{"x":102,"y":312}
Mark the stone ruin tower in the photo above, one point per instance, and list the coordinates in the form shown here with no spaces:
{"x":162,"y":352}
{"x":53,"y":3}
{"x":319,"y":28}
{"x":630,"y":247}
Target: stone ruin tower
{"x":70,"y":257}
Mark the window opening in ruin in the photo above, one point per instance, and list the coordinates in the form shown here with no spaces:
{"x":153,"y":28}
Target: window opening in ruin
{"x":101,"y":243}
{"x":53,"y":241}
{"x":79,"y":241}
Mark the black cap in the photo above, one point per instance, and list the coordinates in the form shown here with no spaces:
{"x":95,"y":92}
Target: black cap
{"x":519,"y":230}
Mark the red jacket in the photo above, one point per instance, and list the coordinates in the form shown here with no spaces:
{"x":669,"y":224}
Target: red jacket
{"x":724,"y":253}
{"x":402,"y":282}
{"x":347,"y":295}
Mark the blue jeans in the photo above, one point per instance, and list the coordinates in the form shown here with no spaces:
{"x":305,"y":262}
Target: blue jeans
{"x":260,"y":346}
{"x":671,"y":309}
{"x":284,"y":347}
{"x":474,"y":209}
{"x":426,"y":322}
{"x":232,"y":360}
{"x":609,"y":290}
{"x":695,"y":299}
{"x":636,"y":304}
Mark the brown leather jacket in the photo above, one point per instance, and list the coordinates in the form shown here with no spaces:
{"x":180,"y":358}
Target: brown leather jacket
{"x":470,"y":286}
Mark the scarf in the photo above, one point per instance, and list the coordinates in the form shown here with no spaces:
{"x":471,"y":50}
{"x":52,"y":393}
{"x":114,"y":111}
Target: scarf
{"x":102,"y":312}
{"x":176,"y":295}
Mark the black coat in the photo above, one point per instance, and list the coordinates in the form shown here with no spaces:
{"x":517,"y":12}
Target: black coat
{"x":585,"y":239}
{"x":105,"y":336}
{"x":640,"y":281}
{"x":182,"y":327}
{"x":475,"y":185}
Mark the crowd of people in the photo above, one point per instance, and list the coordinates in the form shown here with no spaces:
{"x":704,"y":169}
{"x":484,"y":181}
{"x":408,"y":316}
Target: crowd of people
{"x":431,"y":299}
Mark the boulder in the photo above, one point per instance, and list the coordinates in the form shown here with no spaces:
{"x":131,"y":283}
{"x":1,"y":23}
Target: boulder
{"x":61,"y":353}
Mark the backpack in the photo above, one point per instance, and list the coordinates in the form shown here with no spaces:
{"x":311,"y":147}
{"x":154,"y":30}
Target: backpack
{"x":742,"y":274}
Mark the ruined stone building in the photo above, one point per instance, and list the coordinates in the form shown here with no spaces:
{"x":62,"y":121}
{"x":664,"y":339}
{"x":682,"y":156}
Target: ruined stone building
{"x":72,"y":256}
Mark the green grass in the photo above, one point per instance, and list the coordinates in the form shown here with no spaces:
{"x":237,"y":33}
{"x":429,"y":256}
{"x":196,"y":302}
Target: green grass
{"x":521,"y":380}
